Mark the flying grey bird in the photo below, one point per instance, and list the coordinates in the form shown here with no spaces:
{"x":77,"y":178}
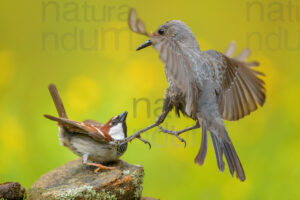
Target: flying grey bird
{"x":91,"y":140}
{"x":207,"y":86}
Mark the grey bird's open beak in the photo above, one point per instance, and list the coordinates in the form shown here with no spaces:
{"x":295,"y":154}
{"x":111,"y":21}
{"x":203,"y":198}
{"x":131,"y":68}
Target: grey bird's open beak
{"x":122,"y":116}
{"x":144,"y":45}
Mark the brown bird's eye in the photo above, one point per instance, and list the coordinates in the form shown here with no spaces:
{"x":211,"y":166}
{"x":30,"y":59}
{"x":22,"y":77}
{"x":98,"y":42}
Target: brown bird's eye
{"x":161,"y":31}
{"x":113,"y":122}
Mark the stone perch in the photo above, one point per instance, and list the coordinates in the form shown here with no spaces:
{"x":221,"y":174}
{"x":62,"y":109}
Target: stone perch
{"x":76,"y":181}
{"x":11,"y":191}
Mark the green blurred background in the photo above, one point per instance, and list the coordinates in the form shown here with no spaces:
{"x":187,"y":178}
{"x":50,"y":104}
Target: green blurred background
{"x":88,"y":51}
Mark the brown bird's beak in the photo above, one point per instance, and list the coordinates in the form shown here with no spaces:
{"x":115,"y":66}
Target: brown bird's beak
{"x":122,"y":116}
{"x":144,"y":45}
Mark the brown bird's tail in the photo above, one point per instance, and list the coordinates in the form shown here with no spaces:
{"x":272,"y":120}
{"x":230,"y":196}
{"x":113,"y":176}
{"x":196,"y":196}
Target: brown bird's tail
{"x":57,"y":101}
{"x":222,"y":145}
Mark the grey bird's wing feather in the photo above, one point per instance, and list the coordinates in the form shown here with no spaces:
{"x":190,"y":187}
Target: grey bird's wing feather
{"x":229,"y":52}
{"x":179,"y":66}
{"x":243,"y":56}
{"x":136,"y":24}
{"x":78,"y":127}
{"x":241,"y":87}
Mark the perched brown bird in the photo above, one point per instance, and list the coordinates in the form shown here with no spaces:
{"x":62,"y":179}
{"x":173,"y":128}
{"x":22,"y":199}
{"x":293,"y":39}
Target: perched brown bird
{"x":206,"y":86}
{"x":91,"y":140}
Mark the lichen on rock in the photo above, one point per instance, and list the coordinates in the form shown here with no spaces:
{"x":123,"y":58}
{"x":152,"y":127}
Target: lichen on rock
{"x":75,"y":181}
{"x":138,"y":182}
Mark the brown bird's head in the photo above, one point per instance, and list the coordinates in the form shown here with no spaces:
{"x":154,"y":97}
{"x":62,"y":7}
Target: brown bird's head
{"x":116,"y":127}
{"x":172,"y":32}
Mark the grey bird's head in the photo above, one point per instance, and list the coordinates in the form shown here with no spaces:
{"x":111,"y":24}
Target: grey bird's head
{"x":174,"y":31}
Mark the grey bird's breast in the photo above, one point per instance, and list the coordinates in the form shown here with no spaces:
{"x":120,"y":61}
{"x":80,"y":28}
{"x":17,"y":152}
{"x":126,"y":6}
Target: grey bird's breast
{"x":177,"y":100}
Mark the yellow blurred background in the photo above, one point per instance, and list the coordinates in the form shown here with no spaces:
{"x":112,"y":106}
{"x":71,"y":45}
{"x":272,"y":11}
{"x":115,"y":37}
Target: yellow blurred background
{"x":88,"y":51}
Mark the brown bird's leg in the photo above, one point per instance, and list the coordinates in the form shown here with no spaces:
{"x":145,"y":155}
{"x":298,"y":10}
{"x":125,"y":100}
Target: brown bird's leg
{"x":177,"y":133}
{"x":85,"y":159}
{"x":160,"y":119}
{"x":99,"y":167}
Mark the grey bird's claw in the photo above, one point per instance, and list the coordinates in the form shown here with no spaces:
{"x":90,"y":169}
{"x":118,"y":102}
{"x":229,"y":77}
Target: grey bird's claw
{"x":175,"y":133}
{"x":181,"y":139}
{"x":124,"y":141}
{"x":145,"y":141}
{"x":137,"y":135}
{"x":129,"y":139}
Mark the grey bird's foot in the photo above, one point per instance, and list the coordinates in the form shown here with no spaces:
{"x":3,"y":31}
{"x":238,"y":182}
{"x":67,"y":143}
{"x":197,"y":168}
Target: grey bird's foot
{"x":138,"y":135}
{"x":175,"y":133}
{"x":145,"y":141}
{"x":197,"y":125}
{"x":158,"y":121}
{"x":130,"y":138}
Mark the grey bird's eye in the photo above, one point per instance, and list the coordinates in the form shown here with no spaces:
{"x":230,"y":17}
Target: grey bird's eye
{"x":161,"y":31}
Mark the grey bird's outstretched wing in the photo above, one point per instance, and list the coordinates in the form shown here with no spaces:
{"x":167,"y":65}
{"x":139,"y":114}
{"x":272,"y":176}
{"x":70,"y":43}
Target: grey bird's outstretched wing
{"x":243,"y":55}
{"x":179,"y":64}
{"x":241,"y":88}
{"x":136,"y":24}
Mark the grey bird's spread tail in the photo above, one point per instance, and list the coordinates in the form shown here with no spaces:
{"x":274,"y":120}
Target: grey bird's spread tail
{"x":222,"y":146}
{"x":203,"y":147}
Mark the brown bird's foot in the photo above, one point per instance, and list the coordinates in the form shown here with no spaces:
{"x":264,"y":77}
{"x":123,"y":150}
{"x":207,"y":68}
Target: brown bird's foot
{"x":175,"y":133}
{"x":99,"y":167}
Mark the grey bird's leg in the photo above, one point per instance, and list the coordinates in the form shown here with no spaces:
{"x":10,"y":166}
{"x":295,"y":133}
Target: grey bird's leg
{"x":177,"y":133}
{"x":167,"y":107}
{"x":145,"y":141}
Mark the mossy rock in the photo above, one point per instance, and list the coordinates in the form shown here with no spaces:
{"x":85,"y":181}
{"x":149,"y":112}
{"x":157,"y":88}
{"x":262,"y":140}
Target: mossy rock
{"x":76,"y":181}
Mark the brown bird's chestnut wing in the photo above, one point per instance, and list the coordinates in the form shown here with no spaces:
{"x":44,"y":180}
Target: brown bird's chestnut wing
{"x":135,"y":24}
{"x":80,"y":127}
{"x":93,"y":122}
{"x":241,"y":87}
